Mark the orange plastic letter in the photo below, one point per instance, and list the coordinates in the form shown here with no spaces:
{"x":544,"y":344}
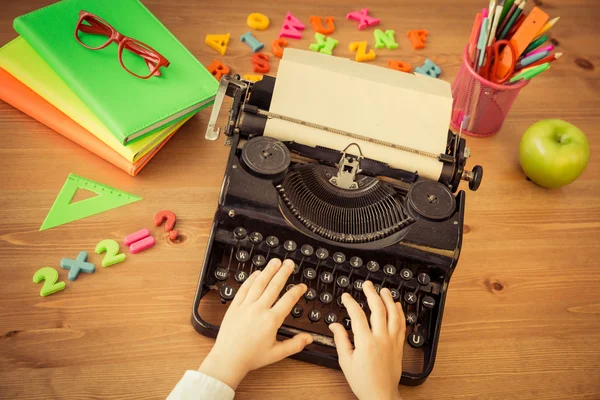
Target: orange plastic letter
{"x":217,"y":69}
{"x":399,"y":65}
{"x":261,"y":63}
{"x":418,"y":38}
{"x":278,"y":45}
{"x":317,"y":23}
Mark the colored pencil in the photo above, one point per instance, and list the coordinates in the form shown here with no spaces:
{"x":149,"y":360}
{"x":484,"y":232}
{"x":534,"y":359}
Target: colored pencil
{"x":547,"y":59}
{"x":497,"y":12}
{"x":511,"y":11}
{"x":481,"y":43}
{"x":474,"y":36}
{"x":548,"y":48}
{"x":512,"y":20}
{"x":507,"y":5}
{"x":547,"y":26}
{"x":531,"y":59}
{"x":517,"y":25}
{"x":535,"y":44}
{"x":530,"y":72}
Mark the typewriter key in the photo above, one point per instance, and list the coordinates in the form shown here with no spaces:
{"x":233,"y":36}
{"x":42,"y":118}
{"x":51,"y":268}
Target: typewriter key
{"x":221,"y":274}
{"x":309,"y":274}
{"x":307,"y":250}
{"x":296,"y":269}
{"x":339,"y":302}
{"x":259,"y":260}
{"x":314,"y":315}
{"x":406,"y":274}
{"x":310,"y":294}
{"x":265,"y":157}
{"x":339,"y":258}
{"x":358,"y":284}
{"x":342,"y":281}
{"x":297,"y":311}
{"x":322,"y":253}
{"x":289,"y":287}
{"x":410,"y":298}
{"x":411,"y":318}
{"x":239,"y":232}
{"x":240,"y":276}
{"x":325,"y":297}
{"x":347,"y":323}
{"x":242,"y":256}
{"x":373,"y":266}
{"x":227,"y":292}
{"x":256,"y":237}
{"x":389,"y":270}
{"x":326,"y":277}
{"x":432,"y":200}
{"x":416,"y":340}
{"x":356,"y":262}
{"x":290,"y":245}
{"x":330,"y":318}
{"x":428,"y":302}
{"x":423,"y":279}
{"x":272,"y":241}
{"x":377,"y":288}
{"x":395,"y":294}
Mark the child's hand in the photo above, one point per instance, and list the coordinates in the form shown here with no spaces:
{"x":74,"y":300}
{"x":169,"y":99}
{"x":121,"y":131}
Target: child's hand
{"x":372,"y":366}
{"x":247,"y":338}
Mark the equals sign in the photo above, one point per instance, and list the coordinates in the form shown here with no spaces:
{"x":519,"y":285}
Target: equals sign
{"x":139,"y":241}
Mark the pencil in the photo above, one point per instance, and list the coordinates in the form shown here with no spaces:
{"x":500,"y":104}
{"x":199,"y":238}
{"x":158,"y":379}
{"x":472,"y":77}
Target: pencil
{"x":531,"y":59}
{"x":512,"y":20}
{"x":507,"y":5}
{"x":547,"y":26}
{"x":530,"y":72}
{"x":497,"y":12}
{"x":548,"y":48}
{"x":517,"y":25}
{"x":535,"y":44}
{"x":511,"y":11}
{"x":547,"y":59}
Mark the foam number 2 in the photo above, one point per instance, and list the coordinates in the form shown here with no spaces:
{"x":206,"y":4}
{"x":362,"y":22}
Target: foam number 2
{"x":111,"y":247}
{"x":49,"y":276}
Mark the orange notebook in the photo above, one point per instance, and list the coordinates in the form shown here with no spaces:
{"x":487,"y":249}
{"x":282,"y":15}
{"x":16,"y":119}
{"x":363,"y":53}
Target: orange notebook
{"x":21,"y":97}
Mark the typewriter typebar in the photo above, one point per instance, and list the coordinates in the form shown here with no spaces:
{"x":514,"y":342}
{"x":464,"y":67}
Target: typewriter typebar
{"x":342,"y":217}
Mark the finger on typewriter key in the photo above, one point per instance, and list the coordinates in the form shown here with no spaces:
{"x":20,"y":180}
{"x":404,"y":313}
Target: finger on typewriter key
{"x":227,"y":293}
{"x":326,"y":277}
{"x":410,"y":298}
{"x":240,"y":233}
{"x":356,"y":314}
{"x":406,"y":274}
{"x":297,"y":311}
{"x":395,"y":314}
{"x":272,"y":241}
{"x":263,"y":279}
{"x":322,"y":254}
{"x":339,"y":302}
{"x":310,"y":294}
{"x":330,"y":318}
{"x":289,"y":287}
{"x":314,"y":315}
{"x":339,"y":258}
{"x":347,"y":323}
{"x":242,"y":256}
{"x":273,"y":289}
{"x":255,"y":237}
{"x":373,"y":266}
{"x":389,"y":270}
{"x":416,"y":340}
{"x":395,"y":294}
{"x":378,"y":311}
{"x":411,"y":318}
{"x":423,"y":279}
{"x":221,"y":274}
{"x":309,"y":274}
{"x":259,"y":261}
{"x":377,"y":288}
{"x":428,"y":302}
{"x":326,"y":297}
{"x":342,"y":281}
{"x":296,"y":269}
{"x":240,"y":276}
{"x":307,"y":250}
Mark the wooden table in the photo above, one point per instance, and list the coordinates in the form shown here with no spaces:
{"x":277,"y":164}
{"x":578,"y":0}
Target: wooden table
{"x":522,"y":319}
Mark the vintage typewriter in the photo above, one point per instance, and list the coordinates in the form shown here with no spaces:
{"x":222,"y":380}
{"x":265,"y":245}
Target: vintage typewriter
{"x":343,"y":215}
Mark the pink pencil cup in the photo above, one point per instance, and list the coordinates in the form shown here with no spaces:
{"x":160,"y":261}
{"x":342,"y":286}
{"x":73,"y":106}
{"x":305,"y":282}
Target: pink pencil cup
{"x":486,"y":104}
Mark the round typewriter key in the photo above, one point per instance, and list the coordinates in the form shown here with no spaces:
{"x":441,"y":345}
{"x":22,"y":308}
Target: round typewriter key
{"x":356,"y":262}
{"x":339,"y":258}
{"x":289,"y":287}
{"x":326,"y":277}
{"x":314,"y":315}
{"x":428,"y":302}
{"x":240,"y":232}
{"x":259,"y":260}
{"x":377,"y":288}
{"x":416,"y":340}
{"x":240,"y":276}
{"x":227,"y":292}
{"x":256,"y":237}
{"x":309,"y":273}
{"x":361,"y":304}
{"x":242,"y":256}
{"x":310,"y":294}
{"x":290,"y":245}
{"x":410,"y":298}
{"x":221,"y":274}
{"x":297,"y":311}
{"x":423,"y":279}
{"x":406,"y":274}
{"x":373,"y":266}
{"x":339,"y":302}
{"x":322,"y":253}
{"x":395,"y":294}
{"x":296,"y":269}
{"x":411,"y":318}
{"x":330,"y":318}
{"x":347,"y":323}
{"x":325,"y":297}
{"x":307,"y":250}
{"x":389,"y":270}
{"x":358,"y":284}
{"x":342,"y":281}
{"x":272,"y":241}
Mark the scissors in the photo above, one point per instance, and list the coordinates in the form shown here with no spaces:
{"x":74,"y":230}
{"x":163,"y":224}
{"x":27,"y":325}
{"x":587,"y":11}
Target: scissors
{"x":489,"y":70}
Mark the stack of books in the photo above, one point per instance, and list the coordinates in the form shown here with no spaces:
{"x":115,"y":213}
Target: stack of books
{"x":92,"y":97}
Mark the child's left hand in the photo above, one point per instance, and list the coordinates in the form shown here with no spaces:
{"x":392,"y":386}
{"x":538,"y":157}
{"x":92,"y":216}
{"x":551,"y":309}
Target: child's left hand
{"x":247,"y":337}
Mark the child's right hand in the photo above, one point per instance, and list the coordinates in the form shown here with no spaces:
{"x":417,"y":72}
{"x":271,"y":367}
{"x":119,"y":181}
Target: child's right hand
{"x":372,"y":366}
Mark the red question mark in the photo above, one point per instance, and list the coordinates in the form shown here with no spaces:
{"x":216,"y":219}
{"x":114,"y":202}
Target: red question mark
{"x":169,"y":225}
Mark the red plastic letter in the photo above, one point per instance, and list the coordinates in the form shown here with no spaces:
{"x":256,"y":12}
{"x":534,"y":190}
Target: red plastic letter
{"x":261,"y":63}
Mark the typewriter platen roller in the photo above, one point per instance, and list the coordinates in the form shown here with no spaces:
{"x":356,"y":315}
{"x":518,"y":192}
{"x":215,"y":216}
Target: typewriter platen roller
{"x":342,"y":214}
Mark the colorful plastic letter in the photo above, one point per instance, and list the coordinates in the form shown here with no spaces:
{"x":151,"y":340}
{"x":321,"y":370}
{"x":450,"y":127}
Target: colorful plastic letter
{"x":260,"y":61}
{"x":418,"y":38}
{"x":77,"y":265}
{"x":429,"y":68}
{"x":324,"y":44}
{"x":218,"y":42}
{"x":291,"y":27}
{"x":399,"y":65}
{"x":217,"y":69}
{"x":253,"y":78}
{"x":258,"y":21}
{"x":364,"y":20}
{"x":277,"y":47}
{"x":317,"y":23}
{"x":361,"y":51}
{"x":251,"y":41}
{"x":385,"y":39}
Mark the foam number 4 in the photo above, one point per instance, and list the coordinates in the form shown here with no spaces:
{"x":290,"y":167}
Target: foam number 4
{"x":111,"y":247}
{"x":49,"y":275}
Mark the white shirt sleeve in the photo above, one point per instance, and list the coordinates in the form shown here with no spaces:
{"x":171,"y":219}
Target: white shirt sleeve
{"x":197,"y":386}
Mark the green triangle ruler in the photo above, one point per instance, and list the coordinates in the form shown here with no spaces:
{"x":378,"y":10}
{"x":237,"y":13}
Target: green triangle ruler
{"x":63,"y":212}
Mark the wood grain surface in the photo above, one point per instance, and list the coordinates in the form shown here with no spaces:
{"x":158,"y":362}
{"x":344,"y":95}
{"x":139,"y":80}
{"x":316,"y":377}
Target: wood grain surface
{"x":522,"y":317}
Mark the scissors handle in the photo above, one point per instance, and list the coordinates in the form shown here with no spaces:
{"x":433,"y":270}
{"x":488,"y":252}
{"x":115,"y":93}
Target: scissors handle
{"x":493,"y":73}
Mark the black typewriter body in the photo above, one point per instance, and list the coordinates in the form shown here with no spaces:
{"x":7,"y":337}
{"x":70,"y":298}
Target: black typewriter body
{"x":389,"y":226}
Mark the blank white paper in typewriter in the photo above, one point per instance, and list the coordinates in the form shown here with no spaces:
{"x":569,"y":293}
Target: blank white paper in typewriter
{"x":367,"y":100}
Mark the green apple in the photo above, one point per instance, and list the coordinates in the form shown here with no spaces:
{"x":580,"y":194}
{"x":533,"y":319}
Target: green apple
{"x":553,"y":153}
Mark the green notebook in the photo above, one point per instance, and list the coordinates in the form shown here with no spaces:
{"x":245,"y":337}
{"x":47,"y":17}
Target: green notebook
{"x":130,"y":107}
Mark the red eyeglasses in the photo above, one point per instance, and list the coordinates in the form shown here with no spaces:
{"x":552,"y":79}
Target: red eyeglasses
{"x":135,"y":57}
